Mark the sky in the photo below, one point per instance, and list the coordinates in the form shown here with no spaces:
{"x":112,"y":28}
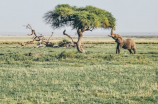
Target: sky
{"x":131,"y":15}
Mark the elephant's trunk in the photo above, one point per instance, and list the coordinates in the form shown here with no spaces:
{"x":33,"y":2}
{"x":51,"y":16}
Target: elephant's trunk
{"x":112,"y":31}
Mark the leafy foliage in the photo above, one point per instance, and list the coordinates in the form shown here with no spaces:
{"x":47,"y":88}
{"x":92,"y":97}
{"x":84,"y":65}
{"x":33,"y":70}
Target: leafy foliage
{"x":89,"y":16}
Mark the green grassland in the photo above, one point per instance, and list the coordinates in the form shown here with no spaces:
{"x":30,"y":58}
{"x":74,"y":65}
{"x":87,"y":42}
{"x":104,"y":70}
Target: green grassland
{"x":48,"y":75}
{"x":86,"y":39}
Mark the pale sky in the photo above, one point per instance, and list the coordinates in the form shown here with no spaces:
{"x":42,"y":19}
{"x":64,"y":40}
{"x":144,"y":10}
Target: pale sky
{"x":131,"y":15}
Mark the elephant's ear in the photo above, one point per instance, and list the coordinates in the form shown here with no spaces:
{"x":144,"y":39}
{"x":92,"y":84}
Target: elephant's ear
{"x":119,"y":39}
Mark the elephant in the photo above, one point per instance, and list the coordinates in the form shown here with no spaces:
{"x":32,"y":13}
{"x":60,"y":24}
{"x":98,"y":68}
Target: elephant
{"x":123,"y":43}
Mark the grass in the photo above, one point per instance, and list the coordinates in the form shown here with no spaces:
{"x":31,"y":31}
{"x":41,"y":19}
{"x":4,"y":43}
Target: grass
{"x":86,"y":40}
{"x":62,"y":75}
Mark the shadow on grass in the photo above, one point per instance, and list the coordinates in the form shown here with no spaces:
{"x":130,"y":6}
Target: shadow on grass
{"x":149,"y":53}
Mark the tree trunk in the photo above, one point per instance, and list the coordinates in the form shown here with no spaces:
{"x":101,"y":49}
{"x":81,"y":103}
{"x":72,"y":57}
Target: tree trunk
{"x":80,"y":36}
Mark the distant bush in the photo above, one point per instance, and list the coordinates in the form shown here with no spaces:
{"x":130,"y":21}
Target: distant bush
{"x":17,"y":59}
{"x":64,"y":55}
{"x":14,"y":57}
{"x":146,"y":42}
{"x":65,"y":40}
{"x":86,"y":42}
{"x":61,"y":42}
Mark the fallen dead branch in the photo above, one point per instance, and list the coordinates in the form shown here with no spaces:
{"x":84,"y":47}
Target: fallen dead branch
{"x":40,"y":38}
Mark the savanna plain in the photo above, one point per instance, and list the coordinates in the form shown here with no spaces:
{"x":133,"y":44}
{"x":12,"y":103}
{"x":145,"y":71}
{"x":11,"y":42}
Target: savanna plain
{"x":48,"y":75}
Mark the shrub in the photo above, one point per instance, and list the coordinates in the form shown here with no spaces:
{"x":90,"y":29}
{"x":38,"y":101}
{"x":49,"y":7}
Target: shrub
{"x":65,"y":40}
{"x":65,"y":55}
{"x":60,"y":43}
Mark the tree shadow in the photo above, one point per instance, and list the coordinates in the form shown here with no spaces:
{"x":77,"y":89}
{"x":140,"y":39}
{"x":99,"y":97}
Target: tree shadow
{"x":149,"y":53}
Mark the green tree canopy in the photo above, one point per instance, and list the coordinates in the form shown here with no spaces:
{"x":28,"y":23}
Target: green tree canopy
{"x":82,"y":19}
{"x":89,"y":16}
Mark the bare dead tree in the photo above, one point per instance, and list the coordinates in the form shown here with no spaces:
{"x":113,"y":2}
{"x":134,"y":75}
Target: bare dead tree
{"x":33,"y":31}
{"x":49,"y":44}
{"x":50,"y":37}
{"x":35,"y":37}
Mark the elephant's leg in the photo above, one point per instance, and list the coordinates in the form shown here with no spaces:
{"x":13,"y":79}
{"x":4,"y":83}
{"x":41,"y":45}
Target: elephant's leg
{"x":130,"y":51}
{"x":134,"y":51}
{"x":117,"y":49}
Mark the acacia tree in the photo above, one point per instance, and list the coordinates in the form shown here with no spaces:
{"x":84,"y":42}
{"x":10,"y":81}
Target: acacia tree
{"x":82,"y":19}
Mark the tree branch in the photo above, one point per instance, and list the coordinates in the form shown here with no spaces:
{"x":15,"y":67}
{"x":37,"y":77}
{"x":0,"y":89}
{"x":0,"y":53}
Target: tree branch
{"x":50,"y":37}
{"x":87,"y":29}
{"x":69,"y":37}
